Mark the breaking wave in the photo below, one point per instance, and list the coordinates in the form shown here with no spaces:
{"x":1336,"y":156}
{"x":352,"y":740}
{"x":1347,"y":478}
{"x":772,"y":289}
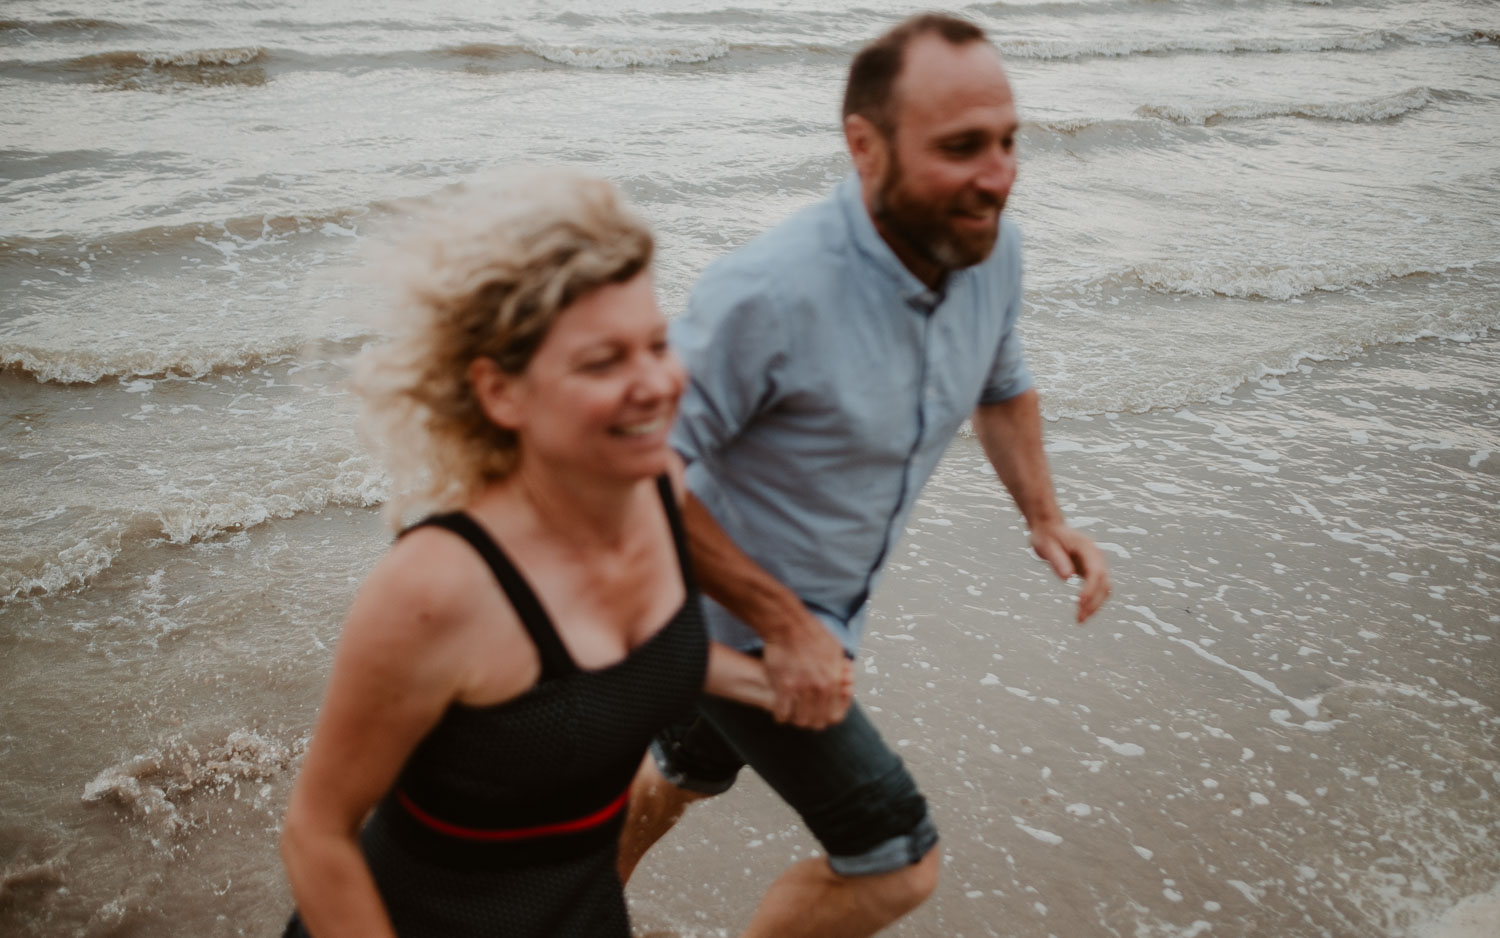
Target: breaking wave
{"x":1366,"y":41}
{"x":155,"y":787}
{"x":1083,"y":133}
{"x":255,"y":64}
{"x":183,"y":518}
{"x":1052,"y":8}
{"x":131,"y":69}
{"x":625,"y":56}
{"x":244,"y":230}
{"x":189,"y":59}
{"x":92,"y":365}
{"x":654,"y":55}
{"x":73,"y":26}
{"x":71,"y":567}
{"x":1385,"y":107}
{"x":1239,"y":280}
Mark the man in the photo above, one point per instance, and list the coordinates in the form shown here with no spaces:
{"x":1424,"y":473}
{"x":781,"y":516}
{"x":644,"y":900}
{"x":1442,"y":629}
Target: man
{"x":832,"y":361}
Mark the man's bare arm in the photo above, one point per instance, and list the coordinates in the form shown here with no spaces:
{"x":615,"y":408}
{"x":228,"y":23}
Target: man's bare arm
{"x":805,"y":663}
{"x":1011,"y":434}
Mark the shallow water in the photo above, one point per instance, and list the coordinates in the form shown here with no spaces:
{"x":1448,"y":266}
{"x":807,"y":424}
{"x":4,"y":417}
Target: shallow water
{"x":1217,"y":198}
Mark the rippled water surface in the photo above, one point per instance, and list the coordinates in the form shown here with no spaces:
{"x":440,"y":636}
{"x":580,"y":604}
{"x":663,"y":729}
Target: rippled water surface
{"x":1262,"y":261}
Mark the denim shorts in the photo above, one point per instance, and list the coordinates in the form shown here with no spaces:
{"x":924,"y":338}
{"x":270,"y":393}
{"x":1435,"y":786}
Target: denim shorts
{"x":851,"y":790}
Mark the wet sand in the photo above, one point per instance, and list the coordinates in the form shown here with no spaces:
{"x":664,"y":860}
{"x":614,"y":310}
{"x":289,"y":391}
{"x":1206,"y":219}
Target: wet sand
{"x":1284,"y":723}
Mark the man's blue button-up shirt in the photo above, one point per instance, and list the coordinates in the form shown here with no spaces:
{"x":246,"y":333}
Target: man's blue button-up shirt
{"x":826,"y":381}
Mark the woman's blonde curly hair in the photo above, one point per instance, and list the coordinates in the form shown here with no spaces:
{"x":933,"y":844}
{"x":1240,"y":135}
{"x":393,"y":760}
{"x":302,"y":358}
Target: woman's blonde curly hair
{"x":485,"y":273}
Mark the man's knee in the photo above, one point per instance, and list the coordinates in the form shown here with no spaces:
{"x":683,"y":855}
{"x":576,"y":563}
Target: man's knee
{"x":900,"y":891}
{"x":919,"y":881}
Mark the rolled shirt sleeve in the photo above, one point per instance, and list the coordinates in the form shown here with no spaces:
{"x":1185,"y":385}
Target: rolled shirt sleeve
{"x":1009,"y":374}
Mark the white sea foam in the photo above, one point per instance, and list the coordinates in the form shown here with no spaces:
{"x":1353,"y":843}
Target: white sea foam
{"x":92,"y":364}
{"x":627,"y":55}
{"x":183,"y":515}
{"x":1475,"y":916}
{"x":189,"y":515}
{"x":241,"y":55}
{"x":1046,"y":837}
{"x":155,"y":786}
{"x":1122,"y":749}
{"x":74,"y":566}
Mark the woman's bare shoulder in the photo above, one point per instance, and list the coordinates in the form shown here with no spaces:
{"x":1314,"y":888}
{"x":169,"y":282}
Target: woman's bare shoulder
{"x":429,"y":585}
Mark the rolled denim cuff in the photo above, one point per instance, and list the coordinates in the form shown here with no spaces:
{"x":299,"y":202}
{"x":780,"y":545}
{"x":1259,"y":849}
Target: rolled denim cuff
{"x":890,"y":855}
{"x":682,"y":780}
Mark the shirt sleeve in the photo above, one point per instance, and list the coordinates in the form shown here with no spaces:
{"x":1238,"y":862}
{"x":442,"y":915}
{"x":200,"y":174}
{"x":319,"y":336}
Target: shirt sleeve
{"x":732,"y":341}
{"x":1009,"y":374}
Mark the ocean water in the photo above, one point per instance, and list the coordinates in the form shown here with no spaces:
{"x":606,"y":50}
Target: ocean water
{"x":1262,"y":260}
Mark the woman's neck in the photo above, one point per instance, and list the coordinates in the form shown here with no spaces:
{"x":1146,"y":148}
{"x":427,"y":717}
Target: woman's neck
{"x":583,"y":509}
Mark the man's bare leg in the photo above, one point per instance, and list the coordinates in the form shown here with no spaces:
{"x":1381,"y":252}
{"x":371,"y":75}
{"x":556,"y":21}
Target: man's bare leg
{"x":812,"y":901}
{"x":655,"y":805}
{"x":809,"y":899}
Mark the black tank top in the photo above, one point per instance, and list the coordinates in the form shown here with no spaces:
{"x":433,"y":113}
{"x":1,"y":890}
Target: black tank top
{"x":505,"y":818}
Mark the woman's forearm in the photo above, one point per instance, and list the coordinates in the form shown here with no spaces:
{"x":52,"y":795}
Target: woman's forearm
{"x":736,"y":676}
{"x":335,"y":894}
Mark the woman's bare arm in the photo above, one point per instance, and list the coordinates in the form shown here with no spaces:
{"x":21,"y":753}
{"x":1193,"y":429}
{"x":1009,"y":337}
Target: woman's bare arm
{"x":737,"y":676}
{"x":400,"y":662}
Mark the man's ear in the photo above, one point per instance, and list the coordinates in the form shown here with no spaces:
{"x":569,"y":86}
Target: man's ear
{"x":498,"y":393}
{"x":868,"y":148}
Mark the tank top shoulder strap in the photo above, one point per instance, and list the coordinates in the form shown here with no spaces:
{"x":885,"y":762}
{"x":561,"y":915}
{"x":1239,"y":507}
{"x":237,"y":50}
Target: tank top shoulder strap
{"x":679,"y":532}
{"x":556,"y":662}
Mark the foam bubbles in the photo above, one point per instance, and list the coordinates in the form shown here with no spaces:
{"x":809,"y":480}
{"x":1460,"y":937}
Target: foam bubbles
{"x":628,"y":55}
{"x":156,"y":785}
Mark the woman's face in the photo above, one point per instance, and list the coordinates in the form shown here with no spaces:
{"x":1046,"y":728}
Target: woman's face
{"x":601,"y":392}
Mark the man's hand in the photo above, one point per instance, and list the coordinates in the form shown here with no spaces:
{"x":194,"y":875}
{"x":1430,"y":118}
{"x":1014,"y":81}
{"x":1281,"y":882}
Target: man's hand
{"x":1071,"y":553}
{"x":813,"y":680}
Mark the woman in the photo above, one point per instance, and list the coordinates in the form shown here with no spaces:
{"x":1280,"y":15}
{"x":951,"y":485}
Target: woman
{"x":506,"y":664}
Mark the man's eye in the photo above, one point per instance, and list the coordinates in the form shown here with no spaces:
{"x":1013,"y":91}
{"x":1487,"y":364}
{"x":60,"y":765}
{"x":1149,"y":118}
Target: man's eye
{"x":596,"y":365}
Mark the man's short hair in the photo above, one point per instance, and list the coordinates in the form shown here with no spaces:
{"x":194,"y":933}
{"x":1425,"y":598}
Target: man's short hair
{"x":873,"y":73}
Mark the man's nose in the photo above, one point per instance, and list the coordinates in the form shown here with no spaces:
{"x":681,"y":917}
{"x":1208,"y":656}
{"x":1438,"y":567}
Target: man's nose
{"x":998,"y":173}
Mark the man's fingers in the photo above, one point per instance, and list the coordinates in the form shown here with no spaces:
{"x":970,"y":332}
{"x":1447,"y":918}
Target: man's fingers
{"x":1095,"y":584}
{"x":1052,"y":552}
{"x":820,"y":702}
{"x":816,"y":706}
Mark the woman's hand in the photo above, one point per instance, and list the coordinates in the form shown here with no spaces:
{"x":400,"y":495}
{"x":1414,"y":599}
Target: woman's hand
{"x":742,"y":678}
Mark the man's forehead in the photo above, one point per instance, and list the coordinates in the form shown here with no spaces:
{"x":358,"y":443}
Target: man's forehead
{"x":937,"y":74}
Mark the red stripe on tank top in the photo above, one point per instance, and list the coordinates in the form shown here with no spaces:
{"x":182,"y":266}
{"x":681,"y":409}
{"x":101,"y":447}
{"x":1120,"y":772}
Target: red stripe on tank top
{"x":516,"y":833}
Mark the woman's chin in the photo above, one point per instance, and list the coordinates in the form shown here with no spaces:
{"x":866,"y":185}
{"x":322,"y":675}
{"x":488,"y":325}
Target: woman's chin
{"x":629,"y":463}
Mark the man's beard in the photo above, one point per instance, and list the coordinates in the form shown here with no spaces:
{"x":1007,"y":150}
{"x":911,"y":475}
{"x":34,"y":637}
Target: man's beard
{"x":926,"y":229}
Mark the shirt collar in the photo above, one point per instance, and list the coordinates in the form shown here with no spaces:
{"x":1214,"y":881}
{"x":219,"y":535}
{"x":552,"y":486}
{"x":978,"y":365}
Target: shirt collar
{"x":878,"y":253}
